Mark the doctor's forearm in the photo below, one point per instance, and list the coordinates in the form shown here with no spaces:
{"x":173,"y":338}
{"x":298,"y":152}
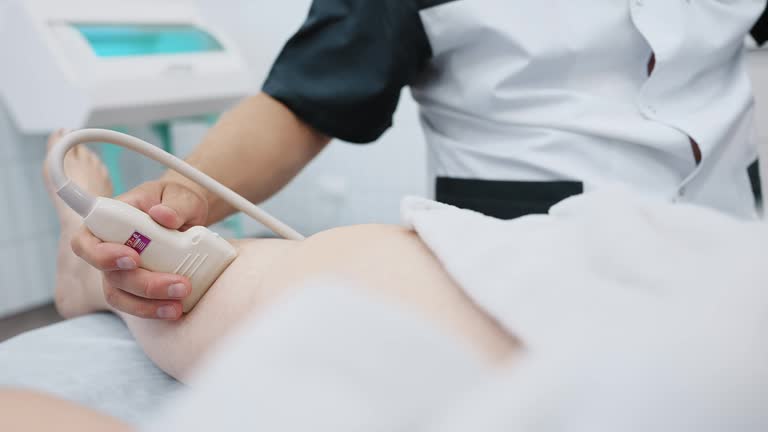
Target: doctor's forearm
{"x":255,"y":149}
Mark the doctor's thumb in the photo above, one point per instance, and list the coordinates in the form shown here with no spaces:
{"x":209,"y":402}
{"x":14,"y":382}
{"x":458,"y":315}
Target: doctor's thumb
{"x":180,"y":208}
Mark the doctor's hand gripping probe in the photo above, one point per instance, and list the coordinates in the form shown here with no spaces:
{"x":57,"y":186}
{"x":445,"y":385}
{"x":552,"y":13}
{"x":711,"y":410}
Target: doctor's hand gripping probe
{"x":198,"y":253}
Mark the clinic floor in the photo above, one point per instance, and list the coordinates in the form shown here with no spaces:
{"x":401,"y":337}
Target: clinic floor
{"x":26,"y":321}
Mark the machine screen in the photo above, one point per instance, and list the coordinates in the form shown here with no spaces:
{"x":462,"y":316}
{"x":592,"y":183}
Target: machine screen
{"x":127,"y":40}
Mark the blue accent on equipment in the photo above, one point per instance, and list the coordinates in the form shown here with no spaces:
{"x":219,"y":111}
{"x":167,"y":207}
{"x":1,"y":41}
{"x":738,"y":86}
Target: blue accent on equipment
{"x":121,"y":40}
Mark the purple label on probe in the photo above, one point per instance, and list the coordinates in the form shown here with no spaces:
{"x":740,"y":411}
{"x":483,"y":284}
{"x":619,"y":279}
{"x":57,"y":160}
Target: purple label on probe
{"x":138,"y":242}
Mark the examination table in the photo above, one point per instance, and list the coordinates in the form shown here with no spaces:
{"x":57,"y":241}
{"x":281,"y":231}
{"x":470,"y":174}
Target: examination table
{"x":92,"y":360}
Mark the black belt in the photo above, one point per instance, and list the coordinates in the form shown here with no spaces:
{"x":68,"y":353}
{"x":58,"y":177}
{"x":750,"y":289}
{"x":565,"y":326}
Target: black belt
{"x":512,"y":199}
{"x":505,"y":199}
{"x":754,"y":177}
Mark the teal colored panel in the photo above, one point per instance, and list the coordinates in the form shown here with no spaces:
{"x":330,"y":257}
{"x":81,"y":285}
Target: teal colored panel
{"x":163,"y":130}
{"x":119,"y":40}
{"x":111,"y":155}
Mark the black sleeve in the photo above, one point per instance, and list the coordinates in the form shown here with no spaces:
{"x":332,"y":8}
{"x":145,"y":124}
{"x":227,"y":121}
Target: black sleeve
{"x":343,"y":72}
{"x":760,"y":30}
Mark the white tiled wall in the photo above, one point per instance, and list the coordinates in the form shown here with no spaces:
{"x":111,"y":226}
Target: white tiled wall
{"x":28,"y":226}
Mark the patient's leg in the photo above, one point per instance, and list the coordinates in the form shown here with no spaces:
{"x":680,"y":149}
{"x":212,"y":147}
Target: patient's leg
{"x":386,"y":261}
{"x":30,"y":412}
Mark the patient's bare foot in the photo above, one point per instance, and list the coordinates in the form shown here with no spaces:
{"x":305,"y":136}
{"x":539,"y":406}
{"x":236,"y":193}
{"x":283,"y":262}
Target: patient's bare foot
{"x":78,"y":285}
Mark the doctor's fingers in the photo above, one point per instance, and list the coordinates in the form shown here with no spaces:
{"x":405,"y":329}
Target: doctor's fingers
{"x":149,"y":285}
{"x":170,"y":204}
{"x":181,"y":207}
{"x":124,"y":301}
{"x":103,"y":256}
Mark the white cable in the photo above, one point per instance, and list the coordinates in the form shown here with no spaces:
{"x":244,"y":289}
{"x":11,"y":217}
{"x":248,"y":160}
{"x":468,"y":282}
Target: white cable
{"x":82,"y":202}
